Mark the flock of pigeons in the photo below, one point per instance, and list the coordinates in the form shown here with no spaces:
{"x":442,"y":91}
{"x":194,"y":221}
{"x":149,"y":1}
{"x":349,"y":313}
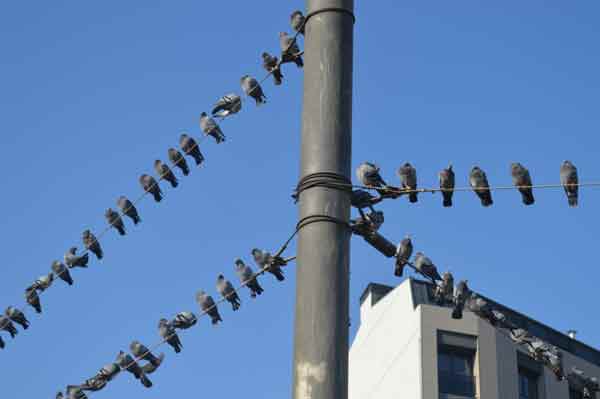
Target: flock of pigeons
{"x":227,"y":105}
{"x":446,"y":293}
{"x":368,"y":175}
{"x":167,"y":329}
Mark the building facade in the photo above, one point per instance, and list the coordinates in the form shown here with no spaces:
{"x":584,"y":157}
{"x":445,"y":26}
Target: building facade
{"x":407,"y":347}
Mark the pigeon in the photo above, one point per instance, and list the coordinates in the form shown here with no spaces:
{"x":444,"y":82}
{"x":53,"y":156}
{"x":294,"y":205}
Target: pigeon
{"x":521,"y":177}
{"x":75,"y":392}
{"x":403,"y":254}
{"x":368,"y":175}
{"x":368,"y":224}
{"x":128,"y":209}
{"x":92,"y":244}
{"x":479,"y":184}
{"x":59,"y":395}
{"x":227,"y":105}
{"x":44,"y":282}
{"x":225,"y":288}
{"x":271,"y":65}
{"x":73,"y":260}
{"x":178,"y":160}
{"x":268,"y":263}
{"x":461,"y":293}
{"x":184,"y":320}
{"x":445,"y":290}
{"x":190,"y":147}
{"x":33,"y":299}
{"x":61,"y":271}
{"x":408,"y":177}
{"x":425,"y":266}
{"x":169,"y":335}
{"x":17,"y":316}
{"x":253,"y":89}
{"x":126,"y":362}
{"x":447,"y":185}
{"x":289,"y":50}
{"x":150,"y":185}
{"x":114,"y":220}
{"x":2,"y":344}
{"x":246,"y":276}
{"x":93,"y":384}
{"x":361,"y":199}
{"x":109,"y":371}
{"x":210,"y":128}
{"x":297,"y":21}
{"x":140,"y":351}
{"x":208,"y":305}
{"x":570,"y":181}
{"x":480,"y":307}
{"x":8,"y":326}
{"x":165,"y":173}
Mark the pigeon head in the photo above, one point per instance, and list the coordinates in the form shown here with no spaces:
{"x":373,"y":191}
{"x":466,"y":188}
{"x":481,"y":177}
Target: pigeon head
{"x":296,"y":13}
{"x":283,"y":34}
{"x":73,"y":250}
{"x":266,"y":55}
{"x":419,"y":254}
{"x":163,"y":322}
{"x":183,"y":137}
{"x":449,"y":167}
{"x":157,"y":163}
{"x":256,"y":252}
{"x":86,"y":234}
{"x":239,"y":262}
{"x":243,"y":78}
{"x":203,"y":115}
{"x":220,"y":277}
{"x":201,"y":294}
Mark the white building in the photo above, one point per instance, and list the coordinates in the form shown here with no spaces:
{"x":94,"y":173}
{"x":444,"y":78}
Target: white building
{"x":407,"y":347}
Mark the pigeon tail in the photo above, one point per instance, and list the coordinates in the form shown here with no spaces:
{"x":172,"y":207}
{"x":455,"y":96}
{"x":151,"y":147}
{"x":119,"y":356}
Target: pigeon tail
{"x":486,"y":199}
{"x":412,"y":197}
{"x":528,"y":198}
{"x":2,"y":344}
{"x":174,"y":183}
{"x":121,"y":230}
{"x":399,"y":269}
{"x":157,"y":196}
{"x":278,"y":274}
{"x":136,"y":219}
{"x":185,"y":170}
{"x":457,"y":312}
{"x":299,"y":62}
{"x":177,"y":348}
{"x":447,"y":200}
{"x":145,"y":381}
{"x":572,"y":200}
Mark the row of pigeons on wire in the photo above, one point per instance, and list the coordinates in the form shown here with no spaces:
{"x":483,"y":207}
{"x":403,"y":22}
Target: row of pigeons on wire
{"x":368,"y":174}
{"x":460,"y":297}
{"x":227,"y":105}
{"x":143,"y":362}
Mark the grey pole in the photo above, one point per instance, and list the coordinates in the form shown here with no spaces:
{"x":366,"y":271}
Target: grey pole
{"x":322,"y":290}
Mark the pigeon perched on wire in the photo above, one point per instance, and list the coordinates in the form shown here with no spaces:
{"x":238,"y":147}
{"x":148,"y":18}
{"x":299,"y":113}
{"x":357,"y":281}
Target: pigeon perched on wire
{"x":447,"y":182}
{"x":522,"y":180}
{"x":44,"y":282}
{"x":61,"y":271}
{"x":253,"y":89}
{"x":91,"y":243}
{"x":210,"y":128}
{"x":73,"y":260}
{"x":297,"y":20}
{"x":461,"y":293}
{"x":361,"y":199}
{"x":169,"y":335}
{"x":140,"y":351}
{"x":425,"y":266}
{"x":17,"y":316}
{"x":128,"y":209}
{"x":268,"y":263}
{"x":7,"y":325}
{"x":408,"y":178}
{"x":246,"y":276}
{"x":75,"y":392}
{"x":114,"y":220}
{"x":184,"y":320}
{"x":109,"y":371}
{"x":208,"y":305}
{"x":479,"y":184}
{"x":368,"y":175}
{"x":178,"y":161}
{"x":150,"y":185}
{"x":2,"y":344}
{"x":570,"y":182}
{"x":165,"y":173}
{"x":368,"y":224}
{"x":190,"y":147}
{"x":225,"y":288}
{"x":290,"y":52}
{"x":227,"y":105}
{"x":271,"y":65}
{"x":126,"y":362}
{"x":444,"y":292}
{"x":33,"y":299}
{"x":94,"y":384}
{"x":403,"y":253}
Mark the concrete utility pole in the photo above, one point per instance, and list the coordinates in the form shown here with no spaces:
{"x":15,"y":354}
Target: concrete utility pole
{"x":321,"y":325}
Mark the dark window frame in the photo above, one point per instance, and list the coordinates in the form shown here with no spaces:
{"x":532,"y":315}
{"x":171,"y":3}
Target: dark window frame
{"x":457,"y":375}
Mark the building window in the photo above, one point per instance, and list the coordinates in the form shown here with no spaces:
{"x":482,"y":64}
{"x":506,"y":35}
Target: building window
{"x":528,"y":385}
{"x":455,"y":373}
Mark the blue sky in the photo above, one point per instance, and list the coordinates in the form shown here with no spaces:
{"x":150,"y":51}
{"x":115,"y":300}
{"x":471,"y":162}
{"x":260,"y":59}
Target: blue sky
{"x":93,"y":93}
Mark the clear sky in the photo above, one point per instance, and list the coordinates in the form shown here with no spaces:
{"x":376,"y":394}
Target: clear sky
{"x":93,"y":93}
